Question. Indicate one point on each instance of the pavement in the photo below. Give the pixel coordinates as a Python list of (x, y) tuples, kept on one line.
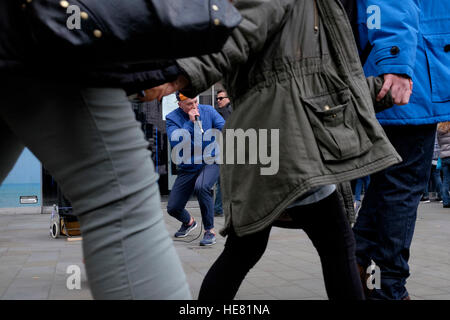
[(34, 266)]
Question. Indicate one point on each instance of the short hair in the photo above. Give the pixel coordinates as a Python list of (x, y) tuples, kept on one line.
[(219, 91)]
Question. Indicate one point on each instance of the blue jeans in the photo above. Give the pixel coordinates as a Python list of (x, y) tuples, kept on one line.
[(385, 225), (200, 183), (446, 182), (359, 186), (218, 201), (435, 183)]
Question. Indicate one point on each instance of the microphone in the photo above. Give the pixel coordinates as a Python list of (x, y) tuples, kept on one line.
[(199, 124)]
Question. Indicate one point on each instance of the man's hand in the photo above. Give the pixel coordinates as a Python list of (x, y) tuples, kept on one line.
[(192, 113), (401, 88), (165, 89)]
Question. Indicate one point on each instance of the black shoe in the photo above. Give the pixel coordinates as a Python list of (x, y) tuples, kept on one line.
[(446, 205), (425, 200), (217, 214)]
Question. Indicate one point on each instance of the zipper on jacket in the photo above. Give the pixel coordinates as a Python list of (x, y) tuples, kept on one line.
[(316, 17)]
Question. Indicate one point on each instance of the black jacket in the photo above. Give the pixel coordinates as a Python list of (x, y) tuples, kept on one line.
[(225, 112), (12, 36), (16, 57)]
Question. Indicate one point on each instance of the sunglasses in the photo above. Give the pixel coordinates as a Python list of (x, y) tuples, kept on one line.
[(221, 98)]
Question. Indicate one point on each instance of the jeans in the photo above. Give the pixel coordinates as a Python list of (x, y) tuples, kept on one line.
[(90, 142), (446, 182), (199, 183), (385, 225), (359, 186), (435, 183), (218, 201), (324, 222)]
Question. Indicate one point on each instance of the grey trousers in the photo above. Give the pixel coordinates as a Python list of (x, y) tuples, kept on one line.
[(92, 145)]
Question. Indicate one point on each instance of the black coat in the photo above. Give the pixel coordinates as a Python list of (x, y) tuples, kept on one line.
[(225, 112), (16, 57), (12, 36)]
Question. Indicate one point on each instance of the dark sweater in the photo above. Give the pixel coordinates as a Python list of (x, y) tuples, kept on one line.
[(225, 112)]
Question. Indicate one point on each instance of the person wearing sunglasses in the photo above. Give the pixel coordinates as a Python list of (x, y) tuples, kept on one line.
[(224, 107)]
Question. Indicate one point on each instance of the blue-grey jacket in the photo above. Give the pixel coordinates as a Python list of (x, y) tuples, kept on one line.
[(210, 119), (410, 37)]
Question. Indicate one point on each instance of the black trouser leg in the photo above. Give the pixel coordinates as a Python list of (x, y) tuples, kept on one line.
[(326, 224), (226, 274)]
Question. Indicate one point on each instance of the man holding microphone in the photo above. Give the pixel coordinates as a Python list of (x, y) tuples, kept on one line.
[(195, 176)]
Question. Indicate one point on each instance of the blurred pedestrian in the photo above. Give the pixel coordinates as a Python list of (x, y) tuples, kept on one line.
[(408, 47), (291, 67), (444, 143), (75, 117), (435, 183), (361, 183), (224, 108)]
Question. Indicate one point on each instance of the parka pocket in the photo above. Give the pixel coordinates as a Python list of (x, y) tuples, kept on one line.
[(437, 48), (337, 129)]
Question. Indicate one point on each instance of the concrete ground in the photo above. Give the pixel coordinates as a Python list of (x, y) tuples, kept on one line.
[(33, 266)]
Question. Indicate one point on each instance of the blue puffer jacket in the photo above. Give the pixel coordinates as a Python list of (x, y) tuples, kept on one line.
[(413, 38), (210, 119)]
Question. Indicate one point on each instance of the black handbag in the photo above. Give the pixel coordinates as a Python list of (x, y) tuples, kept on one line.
[(127, 31)]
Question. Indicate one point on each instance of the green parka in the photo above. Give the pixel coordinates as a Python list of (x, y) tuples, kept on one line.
[(293, 65)]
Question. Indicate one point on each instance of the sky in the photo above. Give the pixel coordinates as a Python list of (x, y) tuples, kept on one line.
[(26, 170)]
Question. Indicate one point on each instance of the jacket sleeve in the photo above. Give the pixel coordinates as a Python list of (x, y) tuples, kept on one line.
[(395, 39), (344, 192), (261, 19), (375, 84), (218, 121)]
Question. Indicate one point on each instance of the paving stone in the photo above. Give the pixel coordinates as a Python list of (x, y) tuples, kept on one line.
[(59, 291), (248, 289), (26, 293), (6, 280), (315, 285), (15, 252), (293, 275), (439, 297), (40, 264), (289, 292), (45, 273), (43, 256), (3, 290), (13, 260), (289, 269), (255, 297), (267, 282)]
